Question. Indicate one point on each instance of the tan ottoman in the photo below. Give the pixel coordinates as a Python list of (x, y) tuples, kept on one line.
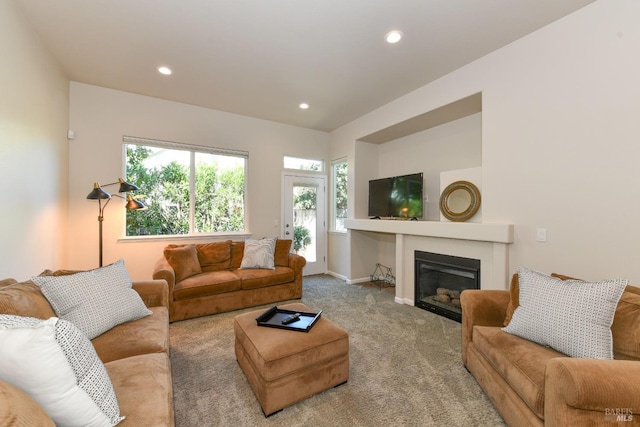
[(285, 367)]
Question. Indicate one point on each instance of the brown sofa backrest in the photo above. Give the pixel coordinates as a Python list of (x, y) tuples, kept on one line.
[(7, 282), (237, 249), (188, 260), (24, 299), (214, 256), (626, 326)]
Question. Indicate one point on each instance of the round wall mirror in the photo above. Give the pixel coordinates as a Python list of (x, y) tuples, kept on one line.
[(460, 201)]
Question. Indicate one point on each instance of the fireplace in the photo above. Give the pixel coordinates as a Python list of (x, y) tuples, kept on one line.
[(439, 280)]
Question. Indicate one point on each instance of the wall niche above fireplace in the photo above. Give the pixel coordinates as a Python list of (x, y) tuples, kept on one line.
[(439, 280)]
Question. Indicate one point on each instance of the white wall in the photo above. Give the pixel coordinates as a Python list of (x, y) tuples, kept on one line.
[(451, 146), (100, 117), (34, 108), (560, 135)]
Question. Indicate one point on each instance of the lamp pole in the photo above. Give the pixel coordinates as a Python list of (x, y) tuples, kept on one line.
[(99, 194), (100, 220)]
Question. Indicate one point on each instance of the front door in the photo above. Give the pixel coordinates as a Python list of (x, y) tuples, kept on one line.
[(304, 219)]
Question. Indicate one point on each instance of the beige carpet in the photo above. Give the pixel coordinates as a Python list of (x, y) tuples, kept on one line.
[(405, 368)]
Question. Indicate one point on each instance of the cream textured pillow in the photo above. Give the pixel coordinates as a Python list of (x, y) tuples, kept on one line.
[(53, 362), (570, 316), (259, 253), (96, 300)]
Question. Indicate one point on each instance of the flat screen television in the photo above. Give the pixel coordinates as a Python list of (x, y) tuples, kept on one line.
[(397, 196)]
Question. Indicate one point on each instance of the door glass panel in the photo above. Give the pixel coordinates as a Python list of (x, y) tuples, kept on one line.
[(305, 221)]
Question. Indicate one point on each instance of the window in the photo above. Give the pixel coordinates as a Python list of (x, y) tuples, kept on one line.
[(303, 164), (339, 174), (188, 189)]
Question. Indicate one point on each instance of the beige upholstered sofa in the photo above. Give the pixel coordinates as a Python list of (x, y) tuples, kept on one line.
[(208, 278), (534, 385), (135, 354)]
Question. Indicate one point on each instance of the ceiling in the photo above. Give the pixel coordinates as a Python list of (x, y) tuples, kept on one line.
[(262, 58)]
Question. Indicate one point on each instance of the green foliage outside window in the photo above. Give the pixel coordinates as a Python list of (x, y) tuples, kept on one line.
[(301, 238), (219, 193), (340, 195)]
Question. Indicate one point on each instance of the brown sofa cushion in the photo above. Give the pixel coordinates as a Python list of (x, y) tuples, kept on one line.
[(237, 250), (514, 298), (184, 260), (626, 326), (281, 256), (143, 387), (260, 278), (520, 362), (147, 335), (25, 299), (211, 283), (214, 256), (17, 408)]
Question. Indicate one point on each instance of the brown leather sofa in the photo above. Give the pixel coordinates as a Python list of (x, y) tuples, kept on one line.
[(135, 354), (206, 278), (533, 385)]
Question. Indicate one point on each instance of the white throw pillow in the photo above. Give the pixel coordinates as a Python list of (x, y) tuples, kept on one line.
[(96, 300), (571, 316), (56, 364), (259, 253)]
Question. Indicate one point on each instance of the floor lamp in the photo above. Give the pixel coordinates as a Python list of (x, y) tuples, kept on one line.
[(99, 194)]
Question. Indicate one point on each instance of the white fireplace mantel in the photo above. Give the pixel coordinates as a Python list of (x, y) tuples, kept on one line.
[(483, 241), (498, 233)]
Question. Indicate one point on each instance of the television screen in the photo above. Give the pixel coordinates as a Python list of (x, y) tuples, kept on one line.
[(379, 197), (399, 196)]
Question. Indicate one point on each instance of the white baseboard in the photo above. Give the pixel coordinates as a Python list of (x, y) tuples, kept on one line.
[(360, 280), (336, 275), (405, 301)]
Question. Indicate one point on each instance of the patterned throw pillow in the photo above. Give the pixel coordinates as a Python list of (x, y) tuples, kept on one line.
[(96, 300), (53, 362), (259, 253), (570, 316)]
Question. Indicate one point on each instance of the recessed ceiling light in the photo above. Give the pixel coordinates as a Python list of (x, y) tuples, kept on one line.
[(304, 105), (164, 70), (393, 36)]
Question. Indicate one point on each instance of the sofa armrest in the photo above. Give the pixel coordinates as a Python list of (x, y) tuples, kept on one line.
[(591, 391), (163, 270), (296, 262), (483, 308), (154, 293)]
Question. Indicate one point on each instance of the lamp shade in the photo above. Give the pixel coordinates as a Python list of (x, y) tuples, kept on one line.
[(134, 204), (126, 187), (98, 193)]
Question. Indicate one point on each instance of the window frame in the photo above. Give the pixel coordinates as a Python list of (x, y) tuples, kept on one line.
[(334, 192), (320, 162), (192, 149)]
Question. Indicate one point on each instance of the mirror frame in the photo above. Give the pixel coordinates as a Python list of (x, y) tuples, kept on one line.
[(471, 210)]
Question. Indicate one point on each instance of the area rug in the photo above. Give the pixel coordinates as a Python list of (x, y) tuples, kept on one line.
[(405, 368)]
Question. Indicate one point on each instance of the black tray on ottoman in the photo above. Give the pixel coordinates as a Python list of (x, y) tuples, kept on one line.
[(273, 318)]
